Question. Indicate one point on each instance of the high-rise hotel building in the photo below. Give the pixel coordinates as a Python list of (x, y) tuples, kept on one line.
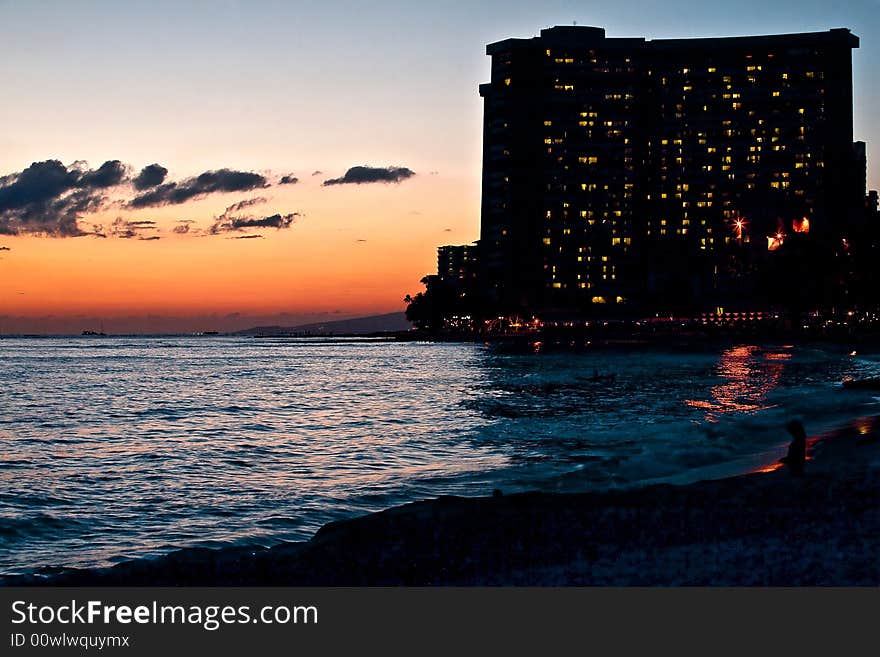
[(622, 170)]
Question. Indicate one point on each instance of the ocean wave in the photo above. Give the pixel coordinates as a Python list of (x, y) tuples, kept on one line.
[(36, 525)]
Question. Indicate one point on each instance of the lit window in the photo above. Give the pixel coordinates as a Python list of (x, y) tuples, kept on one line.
[(801, 225)]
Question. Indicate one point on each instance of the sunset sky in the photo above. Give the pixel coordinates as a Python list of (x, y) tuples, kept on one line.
[(229, 98)]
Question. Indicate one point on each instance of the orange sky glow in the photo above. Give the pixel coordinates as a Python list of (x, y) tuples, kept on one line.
[(355, 250)]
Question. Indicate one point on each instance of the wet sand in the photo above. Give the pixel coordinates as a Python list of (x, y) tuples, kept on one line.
[(764, 528)]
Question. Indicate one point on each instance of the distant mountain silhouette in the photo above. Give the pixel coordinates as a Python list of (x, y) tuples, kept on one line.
[(356, 326)]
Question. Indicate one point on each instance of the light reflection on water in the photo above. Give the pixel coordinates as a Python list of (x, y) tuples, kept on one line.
[(748, 374), (121, 447)]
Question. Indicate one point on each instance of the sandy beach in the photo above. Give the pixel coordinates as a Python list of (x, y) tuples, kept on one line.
[(764, 528)]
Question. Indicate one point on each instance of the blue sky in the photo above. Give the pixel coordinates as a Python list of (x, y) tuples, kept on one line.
[(322, 81)]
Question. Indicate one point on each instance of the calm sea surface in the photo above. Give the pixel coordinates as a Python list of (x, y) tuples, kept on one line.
[(115, 448)]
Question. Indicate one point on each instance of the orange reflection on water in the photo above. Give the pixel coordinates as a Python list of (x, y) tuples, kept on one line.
[(865, 425), (748, 374), (773, 467), (778, 465)]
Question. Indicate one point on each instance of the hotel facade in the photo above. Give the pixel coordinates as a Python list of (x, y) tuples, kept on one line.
[(626, 173)]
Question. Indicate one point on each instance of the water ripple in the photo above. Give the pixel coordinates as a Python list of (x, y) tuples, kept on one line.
[(116, 448)]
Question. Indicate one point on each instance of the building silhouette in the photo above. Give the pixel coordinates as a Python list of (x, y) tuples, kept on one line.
[(625, 174), (458, 264)]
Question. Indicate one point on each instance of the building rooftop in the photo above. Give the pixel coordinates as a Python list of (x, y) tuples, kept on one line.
[(580, 36)]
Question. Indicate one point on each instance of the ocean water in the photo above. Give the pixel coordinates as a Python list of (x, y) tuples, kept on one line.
[(118, 448)]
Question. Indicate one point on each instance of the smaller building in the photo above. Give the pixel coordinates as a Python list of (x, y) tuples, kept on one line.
[(457, 264)]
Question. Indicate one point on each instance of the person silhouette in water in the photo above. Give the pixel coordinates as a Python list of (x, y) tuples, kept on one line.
[(797, 450)]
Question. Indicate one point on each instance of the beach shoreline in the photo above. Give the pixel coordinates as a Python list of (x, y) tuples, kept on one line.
[(764, 528)]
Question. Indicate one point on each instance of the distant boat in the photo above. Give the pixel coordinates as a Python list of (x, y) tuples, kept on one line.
[(101, 332), (862, 384)]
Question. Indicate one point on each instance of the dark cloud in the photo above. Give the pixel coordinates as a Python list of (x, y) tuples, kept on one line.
[(289, 179), (360, 240), (210, 182), (362, 175), (150, 176), (150, 238), (247, 237), (247, 203), (40, 183), (50, 198), (5, 248), (275, 221), (317, 172), (230, 222), (183, 226), (125, 229), (109, 174), (47, 198), (447, 230)]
